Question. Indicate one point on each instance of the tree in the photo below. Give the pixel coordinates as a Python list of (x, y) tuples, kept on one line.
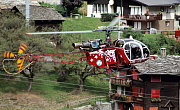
[(12, 31), (70, 5)]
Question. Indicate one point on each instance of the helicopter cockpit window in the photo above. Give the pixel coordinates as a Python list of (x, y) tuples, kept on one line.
[(127, 50), (135, 51), (119, 43), (146, 52)]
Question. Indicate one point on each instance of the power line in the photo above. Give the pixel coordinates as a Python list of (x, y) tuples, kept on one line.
[(54, 81), (95, 90), (84, 86), (57, 85)]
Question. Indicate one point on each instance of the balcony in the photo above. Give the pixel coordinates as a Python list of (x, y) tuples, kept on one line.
[(155, 100), (121, 82), (122, 98), (143, 17)]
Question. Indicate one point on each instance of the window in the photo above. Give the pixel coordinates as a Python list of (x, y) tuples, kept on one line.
[(119, 10), (99, 8), (167, 23), (135, 51), (135, 90), (137, 25), (138, 108), (102, 8), (135, 10), (168, 10), (161, 9), (95, 8), (155, 78), (105, 8), (153, 108), (127, 50), (122, 73), (149, 25), (155, 93), (121, 90), (140, 92)]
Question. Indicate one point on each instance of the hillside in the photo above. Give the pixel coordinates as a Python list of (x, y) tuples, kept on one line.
[(47, 93)]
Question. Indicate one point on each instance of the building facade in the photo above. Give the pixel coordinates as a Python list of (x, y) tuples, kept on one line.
[(97, 7), (140, 14), (156, 87)]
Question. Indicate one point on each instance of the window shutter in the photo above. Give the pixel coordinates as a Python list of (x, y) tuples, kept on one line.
[(138, 108), (142, 92), (155, 93), (122, 73), (155, 78), (135, 90), (153, 108)]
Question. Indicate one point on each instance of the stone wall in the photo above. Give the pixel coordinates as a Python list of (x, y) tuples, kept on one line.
[(98, 106), (161, 24)]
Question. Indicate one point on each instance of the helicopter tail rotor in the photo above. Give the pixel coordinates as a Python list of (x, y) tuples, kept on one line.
[(19, 58), (22, 48), (8, 54)]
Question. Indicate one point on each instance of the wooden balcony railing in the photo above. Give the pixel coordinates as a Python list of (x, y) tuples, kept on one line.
[(122, 98), (121, 82), (143, 17)]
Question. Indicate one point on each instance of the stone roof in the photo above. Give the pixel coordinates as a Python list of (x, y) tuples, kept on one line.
[(161, 65), (158, 2), (40, 12), (9, 4)]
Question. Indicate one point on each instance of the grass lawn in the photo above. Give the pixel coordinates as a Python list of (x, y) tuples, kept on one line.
[(87, 24)]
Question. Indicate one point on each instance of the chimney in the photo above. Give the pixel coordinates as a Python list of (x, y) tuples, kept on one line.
[(163, 52)]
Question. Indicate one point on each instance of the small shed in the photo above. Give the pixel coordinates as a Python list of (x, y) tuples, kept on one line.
[(42, 16)]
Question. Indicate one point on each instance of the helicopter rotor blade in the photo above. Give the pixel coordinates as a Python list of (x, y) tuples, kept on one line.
[(22, 48), (63, 32), (114, 21)]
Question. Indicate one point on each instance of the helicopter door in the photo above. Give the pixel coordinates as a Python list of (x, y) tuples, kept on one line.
[(127, 50), (133, 50), (136, 51)]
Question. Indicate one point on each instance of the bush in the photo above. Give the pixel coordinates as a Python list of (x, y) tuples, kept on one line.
[(107, 17), (61, 9), (155, 41), (135, 34)]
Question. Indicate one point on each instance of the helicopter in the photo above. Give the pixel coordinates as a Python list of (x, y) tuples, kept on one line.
[(101, 54)]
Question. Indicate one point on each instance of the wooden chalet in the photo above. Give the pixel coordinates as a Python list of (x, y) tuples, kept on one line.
[(42, 16), (156, 87)]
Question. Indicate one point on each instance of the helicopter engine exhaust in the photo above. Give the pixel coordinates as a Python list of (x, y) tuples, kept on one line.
[(94, 44), (83, 45)]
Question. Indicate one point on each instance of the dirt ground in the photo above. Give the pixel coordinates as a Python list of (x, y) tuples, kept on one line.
[(27, 101)]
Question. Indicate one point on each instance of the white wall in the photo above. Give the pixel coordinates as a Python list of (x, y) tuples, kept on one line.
[(177, 7), (169, 15), (176, 25), (97, 14), (168, 12), (89, 10)]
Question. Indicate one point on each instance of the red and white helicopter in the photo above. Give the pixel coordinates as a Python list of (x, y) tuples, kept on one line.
[(108, 55)]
